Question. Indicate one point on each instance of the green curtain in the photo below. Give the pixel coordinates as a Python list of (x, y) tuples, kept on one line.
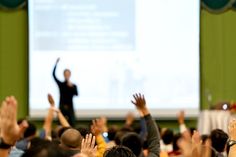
[(234, 6), (12, 4), (218, 6)]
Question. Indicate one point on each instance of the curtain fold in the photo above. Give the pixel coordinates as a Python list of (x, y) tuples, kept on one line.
[(12, 4), (218, 6)]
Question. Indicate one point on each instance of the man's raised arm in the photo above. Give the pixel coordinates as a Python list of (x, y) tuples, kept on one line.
[(153, 137), (54, 72)]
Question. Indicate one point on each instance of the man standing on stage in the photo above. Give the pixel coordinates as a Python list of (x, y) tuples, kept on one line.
[(67, 91)]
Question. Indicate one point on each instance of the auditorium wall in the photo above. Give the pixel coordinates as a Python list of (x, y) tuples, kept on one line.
[(218, 56)]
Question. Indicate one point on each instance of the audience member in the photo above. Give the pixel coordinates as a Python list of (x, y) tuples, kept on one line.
[(20, 139)]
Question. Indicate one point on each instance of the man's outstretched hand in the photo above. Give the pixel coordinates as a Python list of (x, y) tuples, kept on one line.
[(181, 117), (140, 103), (51, 100), (58, 59), (10, 130)]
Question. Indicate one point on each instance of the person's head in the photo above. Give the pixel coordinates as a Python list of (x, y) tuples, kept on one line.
[(120, 134), (67, 74), (112, 132), (43, 148), (119, 151), (29, 134), (191, 130), (133, 142), (176, 138), (168, 136), (204, 139), (62, 130), (83, 130), (71, 139), (219, 139), (31, 130)]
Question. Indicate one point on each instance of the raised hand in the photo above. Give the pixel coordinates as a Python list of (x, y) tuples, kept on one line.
[(196, 138), (181, 117), (232, 129), (10, 130), (69, 83), (51, 100), (97, 127), (58, 59), (232, 135), (129, 119), (185, 147), (140, 103), (88, 147)]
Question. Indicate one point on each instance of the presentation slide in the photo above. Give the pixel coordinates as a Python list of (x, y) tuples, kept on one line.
[(115, 48)]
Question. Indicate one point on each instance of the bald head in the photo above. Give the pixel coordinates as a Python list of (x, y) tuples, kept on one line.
[(71, 139)]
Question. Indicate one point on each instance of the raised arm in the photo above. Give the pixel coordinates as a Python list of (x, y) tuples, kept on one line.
[(153, 135), (182, 127), (88, 148), (96, 129), (10, 130), (232, 135), (47, 126), (54, 72), (60, 116)]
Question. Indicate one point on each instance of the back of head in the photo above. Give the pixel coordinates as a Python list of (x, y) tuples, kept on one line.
[(133, 142), (83, 130), (62, 130), (29, 134), (118, 137), (218, 139), (30, 131), (43, 149), (71, 139), (119, 151), (112, 132), (204, 138), (175, 141), (168, 136), (120, 134)]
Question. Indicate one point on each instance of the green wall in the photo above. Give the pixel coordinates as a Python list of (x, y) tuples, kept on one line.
[(13, 57), (218, 56), (218, 68)]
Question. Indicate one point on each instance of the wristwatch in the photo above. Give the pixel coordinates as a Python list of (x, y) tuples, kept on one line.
[(231, 143), (3, 145)]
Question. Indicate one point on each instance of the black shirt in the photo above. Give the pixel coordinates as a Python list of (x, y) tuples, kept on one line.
[(66, 92)]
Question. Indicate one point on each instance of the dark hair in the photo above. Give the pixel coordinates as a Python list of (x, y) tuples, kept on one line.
[(204, 138), (30, 131), (218, 139), (119, 151), (112, 132), (175, 141), (118, 137), (43, 148), (133, 142), (83, 130), (168, 136), (191, 130), (62, 130), (66, 71), (120, 134)]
